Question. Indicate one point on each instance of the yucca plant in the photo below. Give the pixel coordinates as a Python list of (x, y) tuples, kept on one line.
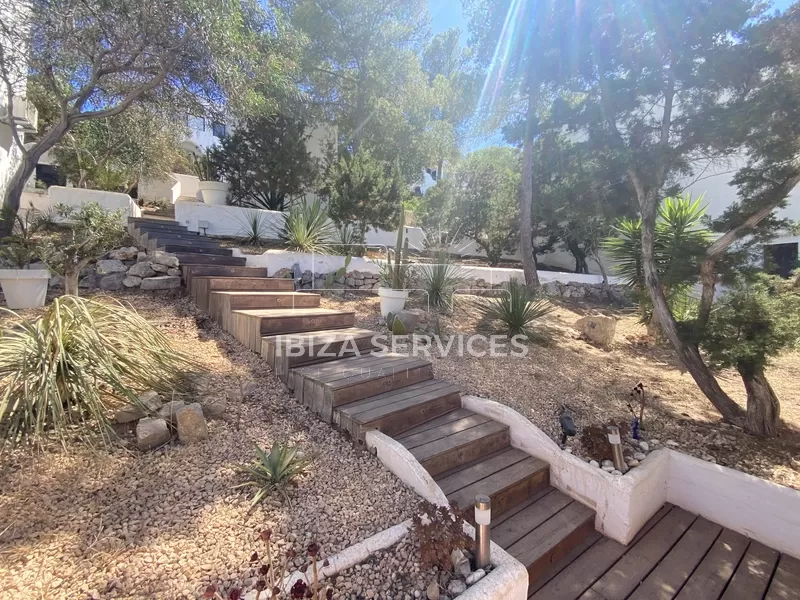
[(307, 228), (441, 279), (347, 241), (274, 471), (516, 310), (253, 227), (62, 372)]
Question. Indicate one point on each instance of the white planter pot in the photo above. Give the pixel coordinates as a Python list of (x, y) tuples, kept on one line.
[(213, 192), (392, 301), (24, 288)]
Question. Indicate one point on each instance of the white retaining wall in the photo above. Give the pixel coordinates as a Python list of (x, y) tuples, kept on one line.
[(763, 511), (168, 188), (189, 185), (110, 201), (228, 221)]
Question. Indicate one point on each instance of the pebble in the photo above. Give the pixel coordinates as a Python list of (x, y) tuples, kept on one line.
[(594, 463), (709, 458), (672, 443), (644, 446), (433, 590), (456, 587), (654, 442), (607, 463), (795, 462), (607, 468), (615, 472), (568, 450), (475, 577), (639, 456), (633, 463)]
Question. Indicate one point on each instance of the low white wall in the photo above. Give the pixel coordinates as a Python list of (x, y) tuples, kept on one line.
[(168, 188), (228, 221), (189, 185), (759, 509), (110, 201)]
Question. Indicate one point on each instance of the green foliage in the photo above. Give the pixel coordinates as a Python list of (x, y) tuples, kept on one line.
[(347, 241), (307, 228), (208, 165), (22, 247), (266, 162), (753, 322), (62, 372), (516, 310), (679, 244), (364, 190), (254, 227), (116, 153), (332, 277), (396, 272), (274, 471), (441, 279)]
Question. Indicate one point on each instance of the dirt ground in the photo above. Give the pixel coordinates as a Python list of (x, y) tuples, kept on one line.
[(594, 385)]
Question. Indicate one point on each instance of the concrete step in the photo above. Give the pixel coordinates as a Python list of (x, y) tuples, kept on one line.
[(287, 352), (250, 326), (187, 258), (327, 386), (509, 477), (222, 303), (398, 410), (250, 279), (455, 439), (187, 248)]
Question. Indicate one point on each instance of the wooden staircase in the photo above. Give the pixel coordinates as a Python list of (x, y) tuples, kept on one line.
[(331, 367), (190, 248)]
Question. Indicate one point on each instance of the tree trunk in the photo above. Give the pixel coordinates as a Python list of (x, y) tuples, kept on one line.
[(688, 354), (763, 406), (71, 277), (526, 198)]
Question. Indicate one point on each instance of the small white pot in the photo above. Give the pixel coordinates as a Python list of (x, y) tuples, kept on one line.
[(213, 192), (24, 288), (392, 301)]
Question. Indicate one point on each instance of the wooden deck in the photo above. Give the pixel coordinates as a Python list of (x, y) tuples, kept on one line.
[(675, 555)]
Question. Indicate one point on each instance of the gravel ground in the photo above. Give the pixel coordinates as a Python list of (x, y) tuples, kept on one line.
[(595, 385), (163, 525)]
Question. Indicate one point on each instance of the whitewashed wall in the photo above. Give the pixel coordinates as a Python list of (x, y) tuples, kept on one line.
[(168, 188), (189, 185), (76, 197), (225, 220)]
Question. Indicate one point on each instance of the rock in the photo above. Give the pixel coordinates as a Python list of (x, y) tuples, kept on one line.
[(433, 590), (607, 463), (113, 282), (607, 469), (141, 257), (151, 433), (132, 281), (170, 410), (174, 272), (654, 442), (141, 269), (164, 282), (89, 282), (709, 458), (615, 472), (633, 463), (594, 463), (283, 273), (214, 406), (56, 281), (460, 563), (129, 253), (456, 587), (475, 577), (639, 456), (191, 424), (672, 443), (149, 402), (598, 328), (159, 268), (164, 258), (106, 267), (568, 450), (644, 446)]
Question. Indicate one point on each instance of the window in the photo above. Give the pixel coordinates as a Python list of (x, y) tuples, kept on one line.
[(218, 130)]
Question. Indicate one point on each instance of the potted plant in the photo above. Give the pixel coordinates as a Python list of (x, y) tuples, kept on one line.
[(212, 190), (22, 286), (395, 275)]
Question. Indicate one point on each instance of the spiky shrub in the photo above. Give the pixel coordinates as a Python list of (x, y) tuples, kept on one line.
[(307, 228), (274, 471), (441, 279), (347, 241), (254, 226), (515, 310), (438, 531), (62, 372)]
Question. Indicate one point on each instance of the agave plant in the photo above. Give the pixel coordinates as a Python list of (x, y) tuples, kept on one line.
[(516, 310), (274, 471), (347, 240), (441, 279), (63, 371), (307, 228), (254, 227)]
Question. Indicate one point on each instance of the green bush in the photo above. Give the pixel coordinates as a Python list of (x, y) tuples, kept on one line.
[(307, 228), (274, 471), (441, 280), (62, 372), (515, 310)]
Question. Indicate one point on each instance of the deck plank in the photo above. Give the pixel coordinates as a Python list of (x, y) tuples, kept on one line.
[(432, 435), (525, 521), (453, 439), (753, 574), (469, 475), (432, 424), (667, 579), (713, 573), (786, 581)]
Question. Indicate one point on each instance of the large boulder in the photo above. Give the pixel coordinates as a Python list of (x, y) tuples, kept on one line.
[(191, 424), (159, 268), (598, 328), (129, 253), (132, 281), (406, 321), (149, 402), (151, 433), (174, 272), (106, 267), (165, 282), (89, 282), (112, 282), (164, 258), (141, 269)]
